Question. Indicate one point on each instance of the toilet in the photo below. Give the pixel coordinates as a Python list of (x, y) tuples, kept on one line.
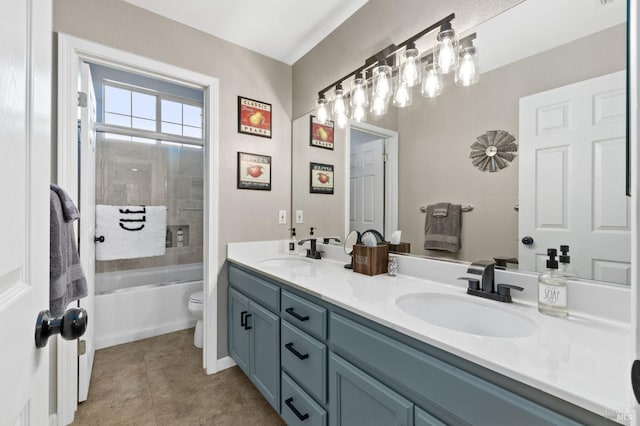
[(195, 306)]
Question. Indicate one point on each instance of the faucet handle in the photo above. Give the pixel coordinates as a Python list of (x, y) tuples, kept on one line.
[(504, 290), (474, 283)]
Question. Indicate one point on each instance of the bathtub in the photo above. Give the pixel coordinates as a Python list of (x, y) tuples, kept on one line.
[(141, 303)]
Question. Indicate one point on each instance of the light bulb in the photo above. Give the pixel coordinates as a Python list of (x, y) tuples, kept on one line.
[(382, 86), (446, 56), (468, 70), (359, 96), (358, 113), (322, 114), (410, 72), (410, 66), (446, 48), (402, 97), (359, 91), (378, 106), (432, 83), (341, 120), (339, 105), (381, 83)]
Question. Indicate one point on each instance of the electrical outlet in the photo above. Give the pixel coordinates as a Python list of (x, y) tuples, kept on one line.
[(282, 217), (299, 216)]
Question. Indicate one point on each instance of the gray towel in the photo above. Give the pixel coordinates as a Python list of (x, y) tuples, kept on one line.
[(443, 233), (66, 279), (441, 209)]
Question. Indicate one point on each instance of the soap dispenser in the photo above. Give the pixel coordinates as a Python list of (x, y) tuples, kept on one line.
[(552, 289), (565, 264), (293, 242)]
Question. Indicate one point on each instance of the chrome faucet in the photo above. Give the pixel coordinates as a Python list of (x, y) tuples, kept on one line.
[(484, 285)]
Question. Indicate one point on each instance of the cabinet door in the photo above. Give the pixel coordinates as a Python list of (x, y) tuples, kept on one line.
[(265, 353), (425, 419), (238, 332), (355, 398)]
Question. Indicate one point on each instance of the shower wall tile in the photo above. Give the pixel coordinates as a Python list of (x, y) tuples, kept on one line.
[(134, 173), (197, 188)]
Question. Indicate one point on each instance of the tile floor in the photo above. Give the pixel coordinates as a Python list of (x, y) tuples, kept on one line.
[(160, 381)]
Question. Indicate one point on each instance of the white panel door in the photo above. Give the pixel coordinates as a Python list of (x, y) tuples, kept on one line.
[(572, 178), (86, 244), (25, 126), (366, 205)]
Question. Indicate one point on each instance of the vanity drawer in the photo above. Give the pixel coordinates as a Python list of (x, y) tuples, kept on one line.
[(298, 408), (261, 291), (304, 359), (436, 382), (304, 314)]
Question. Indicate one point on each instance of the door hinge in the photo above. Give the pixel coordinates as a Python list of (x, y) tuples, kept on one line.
[(82, 99), (82, 347), (385, 157)]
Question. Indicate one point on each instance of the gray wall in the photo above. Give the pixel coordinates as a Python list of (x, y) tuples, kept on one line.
[(435, 136), (244, 215)]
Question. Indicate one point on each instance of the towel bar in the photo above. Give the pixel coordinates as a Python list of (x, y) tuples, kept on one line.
[(467, 208)]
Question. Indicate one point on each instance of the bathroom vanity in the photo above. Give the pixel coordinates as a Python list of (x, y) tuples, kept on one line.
[(325, 345)]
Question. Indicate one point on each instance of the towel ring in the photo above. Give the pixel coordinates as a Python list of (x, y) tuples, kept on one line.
[(466, 208)]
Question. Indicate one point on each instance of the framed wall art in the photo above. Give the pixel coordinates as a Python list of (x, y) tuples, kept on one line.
[(254, 117), (321, 178), (254, 171), (321, 134)]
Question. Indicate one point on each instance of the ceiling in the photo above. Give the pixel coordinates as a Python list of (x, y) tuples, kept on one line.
[(284, 29)]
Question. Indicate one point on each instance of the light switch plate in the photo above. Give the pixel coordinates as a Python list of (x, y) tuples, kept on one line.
[(299, 216), (282, 217)]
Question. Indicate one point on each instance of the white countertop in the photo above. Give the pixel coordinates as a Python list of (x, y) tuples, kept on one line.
[(582, 359)]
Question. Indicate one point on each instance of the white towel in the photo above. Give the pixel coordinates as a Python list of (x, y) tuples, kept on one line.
[(130, 231)]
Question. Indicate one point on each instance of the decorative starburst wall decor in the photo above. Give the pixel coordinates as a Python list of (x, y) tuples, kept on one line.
[(493, 150)]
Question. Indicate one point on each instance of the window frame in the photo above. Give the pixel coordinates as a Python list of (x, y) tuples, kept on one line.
[(157, 135)]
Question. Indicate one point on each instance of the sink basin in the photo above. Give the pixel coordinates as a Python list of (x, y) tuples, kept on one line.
[(464, 314), (286, 262)]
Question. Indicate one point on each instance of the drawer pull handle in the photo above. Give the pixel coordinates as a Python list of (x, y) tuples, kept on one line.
[(296, 315), (246, 322), (296, 353), (302, 417), (243, 320)]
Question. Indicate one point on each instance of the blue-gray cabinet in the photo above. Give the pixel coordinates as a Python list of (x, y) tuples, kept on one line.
[(265, 354), (254, 343), (298, 408), (336, 366), (355, 398), (239, 336)]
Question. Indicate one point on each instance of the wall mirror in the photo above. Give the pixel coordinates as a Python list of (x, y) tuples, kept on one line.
[(553, 76)]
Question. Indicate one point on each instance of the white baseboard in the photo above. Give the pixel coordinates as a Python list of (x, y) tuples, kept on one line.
[(224, 363), (143, 334)]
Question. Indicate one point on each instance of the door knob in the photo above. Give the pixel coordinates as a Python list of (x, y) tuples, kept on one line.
[(70, 326), (527, 241)]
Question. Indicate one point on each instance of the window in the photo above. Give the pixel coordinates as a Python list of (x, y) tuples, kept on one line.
[(139, 115)]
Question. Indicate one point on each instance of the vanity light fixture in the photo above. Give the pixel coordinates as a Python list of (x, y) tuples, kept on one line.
[(390, 82), (467, 71)]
